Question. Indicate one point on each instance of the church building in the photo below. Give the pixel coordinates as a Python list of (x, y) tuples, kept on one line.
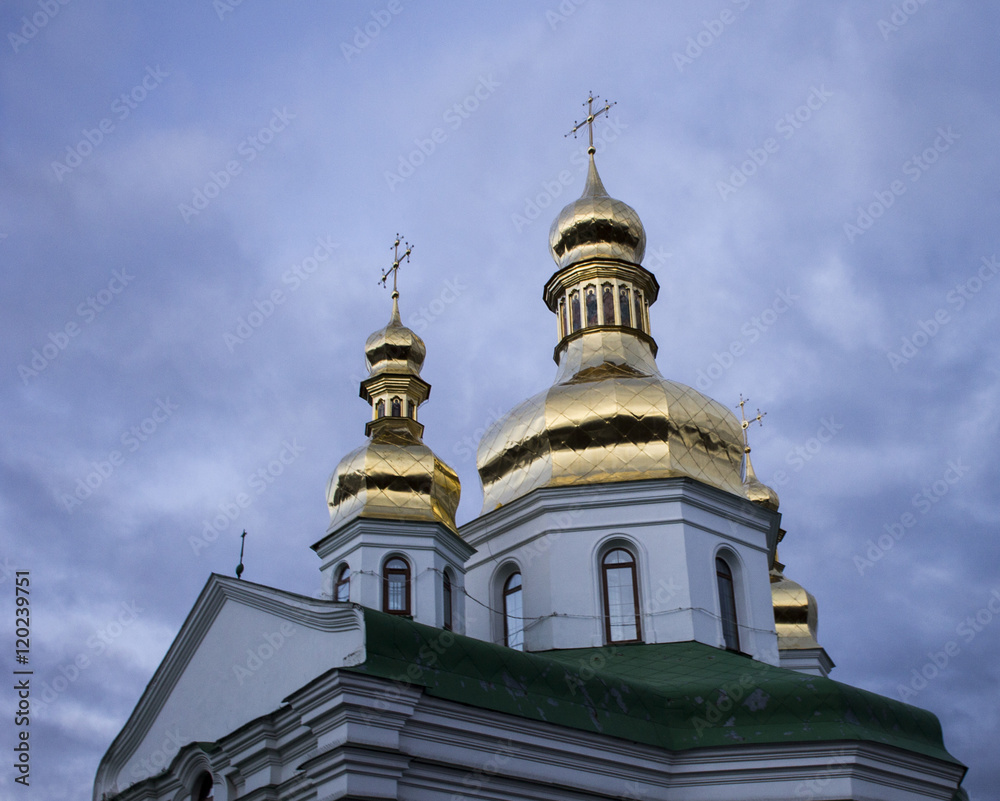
[(614, 624)]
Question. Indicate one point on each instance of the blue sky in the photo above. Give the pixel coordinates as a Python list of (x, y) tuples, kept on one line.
[(197, 202)]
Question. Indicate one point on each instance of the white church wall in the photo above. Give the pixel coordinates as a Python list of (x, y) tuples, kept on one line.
[(242, 650), (674, 528), (429, 549)]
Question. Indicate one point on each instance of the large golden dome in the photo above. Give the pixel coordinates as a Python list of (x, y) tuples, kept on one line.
[(609, 416), (610, 422)]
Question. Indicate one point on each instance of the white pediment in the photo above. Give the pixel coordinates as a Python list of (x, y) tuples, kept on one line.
[(242, 650)]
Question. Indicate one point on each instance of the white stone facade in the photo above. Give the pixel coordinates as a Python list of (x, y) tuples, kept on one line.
[(300, 728), (675, 527), (364, 545)]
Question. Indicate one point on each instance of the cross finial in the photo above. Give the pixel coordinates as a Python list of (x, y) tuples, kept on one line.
[(397, 257), (239, 567), (589, 121), (759, 418)]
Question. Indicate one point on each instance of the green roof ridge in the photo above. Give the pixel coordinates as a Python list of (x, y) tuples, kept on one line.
[(675, 696)]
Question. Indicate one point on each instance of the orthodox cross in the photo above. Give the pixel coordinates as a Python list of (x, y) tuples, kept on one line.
[(397, 257), (239, 567), (589, 122), (746, 423)]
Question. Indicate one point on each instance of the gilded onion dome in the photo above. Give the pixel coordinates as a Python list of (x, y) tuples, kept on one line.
[(609, 416), (394, 475), (796, 617), (756, 490), (395, 348), (597, 226)]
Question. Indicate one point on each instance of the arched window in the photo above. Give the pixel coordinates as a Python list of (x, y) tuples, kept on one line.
[(563, 330), (624, 306), (396, 587), (342, 585), (203, 788), (639, 322), (591, 295), (574, 301), (380, 409), (621, 597), (447, 600), (727, 604), (608, 303), (513, 613), (409, 409), (396, 407)]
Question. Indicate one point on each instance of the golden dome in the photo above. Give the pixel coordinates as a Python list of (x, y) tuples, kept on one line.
[(395, 348), (756, 490), (610, 415), (609, 418), (597, 226), (394, 476), (796, 617)]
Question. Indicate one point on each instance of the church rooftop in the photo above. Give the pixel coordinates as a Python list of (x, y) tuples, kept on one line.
[(675, 696)]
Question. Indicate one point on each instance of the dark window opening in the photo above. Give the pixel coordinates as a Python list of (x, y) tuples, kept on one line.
[(448, 608), (513, 613), (621, 597), (205, 786), (727, 605), (396, 587)]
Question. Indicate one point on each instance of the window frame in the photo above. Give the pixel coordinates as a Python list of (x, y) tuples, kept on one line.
[(394, 571), (730, 632), (342, 578), (633, 565), (505, 592), (447, 601)]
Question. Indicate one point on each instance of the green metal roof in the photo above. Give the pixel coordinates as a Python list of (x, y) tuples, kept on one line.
[(674, 696)]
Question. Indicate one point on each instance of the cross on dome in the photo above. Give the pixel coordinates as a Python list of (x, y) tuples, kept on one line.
[(396, 259), (589, 121), (746, 423)]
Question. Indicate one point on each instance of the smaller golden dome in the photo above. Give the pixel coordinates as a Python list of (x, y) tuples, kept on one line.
[(756, 490), (796, 617), (395, 348), (394, 476), (597, 226)]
